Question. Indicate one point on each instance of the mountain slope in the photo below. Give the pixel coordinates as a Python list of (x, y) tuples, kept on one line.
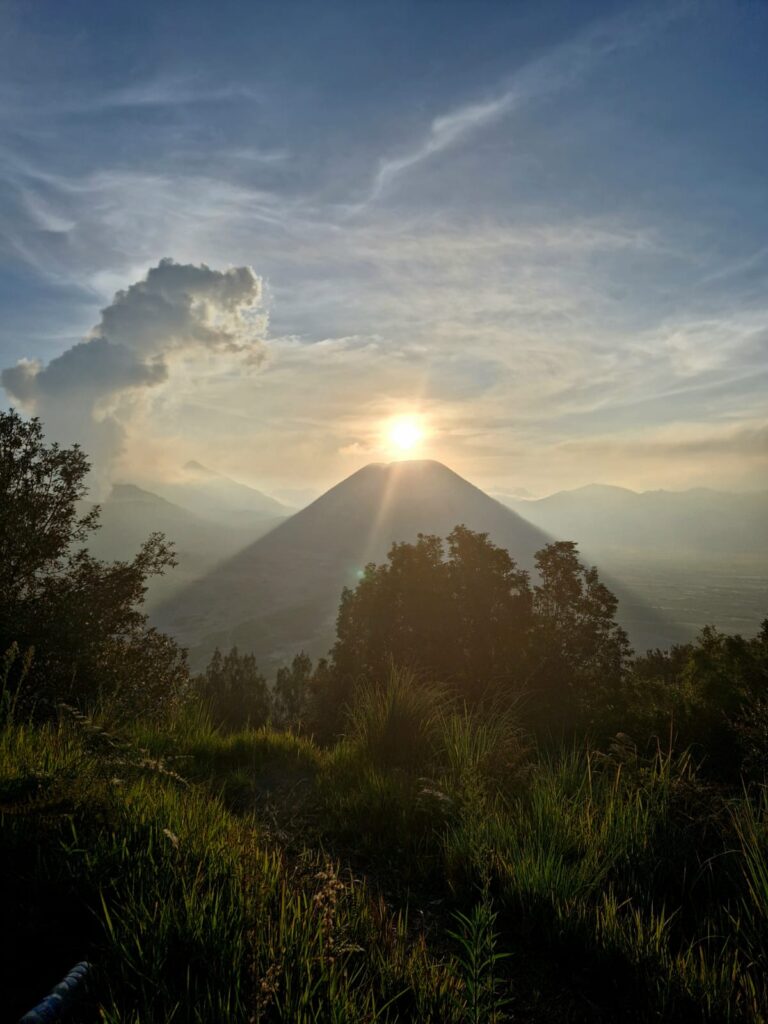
[(130, 514), (700, 556), (213, 496), (282, 593), (698, 522)]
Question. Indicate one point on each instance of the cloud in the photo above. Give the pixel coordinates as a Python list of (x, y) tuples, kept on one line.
[(561, 67), (444, 132), (355, 448), (93, 391), (518, 315), (176, 307), (182, 306), (165, 91), (97, 367), (744, 441), (160, 91)]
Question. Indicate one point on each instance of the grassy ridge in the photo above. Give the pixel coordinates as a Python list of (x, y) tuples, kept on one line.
[(430, 866)]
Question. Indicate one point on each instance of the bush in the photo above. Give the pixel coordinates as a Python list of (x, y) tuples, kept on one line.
[(395, 725)]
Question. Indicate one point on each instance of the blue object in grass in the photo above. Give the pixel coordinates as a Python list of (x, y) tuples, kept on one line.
[(60, 999)]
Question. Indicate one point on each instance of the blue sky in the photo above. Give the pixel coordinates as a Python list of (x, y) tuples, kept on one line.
[(541, 227)]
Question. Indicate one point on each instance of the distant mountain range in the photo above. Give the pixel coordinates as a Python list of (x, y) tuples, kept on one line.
[(213, 496), (282, 592), (695, 523), (129, 514)]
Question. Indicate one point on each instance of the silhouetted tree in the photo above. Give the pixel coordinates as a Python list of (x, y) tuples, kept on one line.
[(492, 612), (468, 616), (82, 616), (401, 609), (326, 700), (580, 652), (292, 691), (710, 695), (234, 690), (459, 616)]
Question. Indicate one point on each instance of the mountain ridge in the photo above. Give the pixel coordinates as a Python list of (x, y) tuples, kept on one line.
[(212, 495), (131, 513), (699, 521)]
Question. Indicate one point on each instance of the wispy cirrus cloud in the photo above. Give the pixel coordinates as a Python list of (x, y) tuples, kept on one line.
[(158, 91), (536, 80), (445, 131)]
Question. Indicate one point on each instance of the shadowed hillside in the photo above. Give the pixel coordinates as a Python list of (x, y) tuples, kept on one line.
[(700, 556), (694, 522), (282, 593), (213, 496), (130, 514)]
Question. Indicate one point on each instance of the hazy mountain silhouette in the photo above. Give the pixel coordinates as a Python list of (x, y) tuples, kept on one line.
[(701, 556), (282, 593), (130, 514), (213, 496), (697, 522)]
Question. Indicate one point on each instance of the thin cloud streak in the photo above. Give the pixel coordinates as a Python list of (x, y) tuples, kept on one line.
[(162, 91), (444, 132), (540, 78)]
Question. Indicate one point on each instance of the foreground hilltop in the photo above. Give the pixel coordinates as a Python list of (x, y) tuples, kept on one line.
[(282, 592)]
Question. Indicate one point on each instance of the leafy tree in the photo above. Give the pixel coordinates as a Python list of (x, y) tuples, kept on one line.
[(580, 652), (234, 690), (400, 609), (467, 615), (40, 487), (492, 613), (459, 616), (729, 671), (327, 695), (292, 691), (710, 695), (82, 616)]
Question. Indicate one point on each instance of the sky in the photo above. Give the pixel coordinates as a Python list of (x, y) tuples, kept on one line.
[(251, 234)]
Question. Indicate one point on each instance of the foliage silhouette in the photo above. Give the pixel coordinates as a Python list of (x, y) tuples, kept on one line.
[(234, 691), (469, 617), (82, 616), (292, 691)]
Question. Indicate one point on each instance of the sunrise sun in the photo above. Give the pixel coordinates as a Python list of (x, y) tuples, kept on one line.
[(404, 433)]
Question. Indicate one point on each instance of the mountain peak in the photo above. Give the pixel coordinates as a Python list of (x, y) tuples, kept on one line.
[(193, 466), (404, 464), (131, 492)]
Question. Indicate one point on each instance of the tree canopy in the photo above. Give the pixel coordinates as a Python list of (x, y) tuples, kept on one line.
[(234, 691), (82, 616), (463, 612)]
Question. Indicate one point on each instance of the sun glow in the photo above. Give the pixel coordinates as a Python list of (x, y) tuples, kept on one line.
[(404, 433)]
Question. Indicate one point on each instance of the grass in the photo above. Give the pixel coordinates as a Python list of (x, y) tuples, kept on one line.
[(458, 875), (188, 912)]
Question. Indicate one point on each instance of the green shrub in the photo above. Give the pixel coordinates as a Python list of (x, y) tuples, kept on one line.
[(394, 725)]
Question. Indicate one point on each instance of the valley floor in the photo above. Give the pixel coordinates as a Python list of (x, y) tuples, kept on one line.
[(691, 594)]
